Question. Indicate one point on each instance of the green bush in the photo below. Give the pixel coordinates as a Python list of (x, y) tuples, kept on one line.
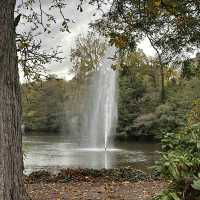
[(180, 163)]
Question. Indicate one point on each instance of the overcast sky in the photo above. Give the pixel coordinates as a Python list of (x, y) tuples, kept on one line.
[(66, 40)]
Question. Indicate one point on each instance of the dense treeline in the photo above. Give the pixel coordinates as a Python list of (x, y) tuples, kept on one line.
[(58, 105), (141, 112), (51, 105), (43, 104)]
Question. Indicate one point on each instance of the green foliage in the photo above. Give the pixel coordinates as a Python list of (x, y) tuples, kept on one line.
[(140, 111), (165, 22), (43, 104), (194, 115), (188, 70), (137, 79), (180, 161), (52, 105), (168, 195), (130, 92)]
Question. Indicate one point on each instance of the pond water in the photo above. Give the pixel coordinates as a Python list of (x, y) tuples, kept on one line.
[(53, 152)]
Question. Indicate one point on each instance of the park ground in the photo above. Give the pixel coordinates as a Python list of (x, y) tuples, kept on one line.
[(86, 186), (95, 191)]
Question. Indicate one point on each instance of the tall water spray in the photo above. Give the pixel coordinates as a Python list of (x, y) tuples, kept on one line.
[(101, 114)]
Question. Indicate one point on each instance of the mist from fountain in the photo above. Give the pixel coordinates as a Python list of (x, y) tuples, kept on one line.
[(100, 117)]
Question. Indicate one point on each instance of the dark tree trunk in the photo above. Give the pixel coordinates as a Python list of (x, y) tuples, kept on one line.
[(11, 158), (162, 74)]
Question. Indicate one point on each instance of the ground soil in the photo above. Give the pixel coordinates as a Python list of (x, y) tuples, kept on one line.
[(95, 190), (88, 184)]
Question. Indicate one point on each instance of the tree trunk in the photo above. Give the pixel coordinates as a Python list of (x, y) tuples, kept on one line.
[(11, 157), (162, 93), (162, 73)]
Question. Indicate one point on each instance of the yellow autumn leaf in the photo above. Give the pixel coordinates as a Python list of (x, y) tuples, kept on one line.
[(120, 41), (157, 3), (23, 45)]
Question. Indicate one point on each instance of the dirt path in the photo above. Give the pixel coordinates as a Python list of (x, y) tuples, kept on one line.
[(95, 190)]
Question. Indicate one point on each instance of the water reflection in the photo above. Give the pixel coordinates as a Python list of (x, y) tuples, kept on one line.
[(50, 151)]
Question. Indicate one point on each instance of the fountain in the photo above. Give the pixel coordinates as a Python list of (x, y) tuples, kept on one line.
[(100, 116), (89, 144)]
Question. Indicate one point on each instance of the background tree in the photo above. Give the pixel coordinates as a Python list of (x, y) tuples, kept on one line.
[(138, 18), (43, 104), (139, 85), (87, 54), (141, 113), (164, 23), (85, 58)]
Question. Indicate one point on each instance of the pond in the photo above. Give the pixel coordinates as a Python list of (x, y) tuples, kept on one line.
[(53, 151)]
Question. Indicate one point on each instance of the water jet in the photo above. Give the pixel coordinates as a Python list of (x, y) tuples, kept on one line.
[(100, 116)]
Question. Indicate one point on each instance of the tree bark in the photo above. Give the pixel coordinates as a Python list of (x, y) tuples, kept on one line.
[(11, 157), (162, 74)]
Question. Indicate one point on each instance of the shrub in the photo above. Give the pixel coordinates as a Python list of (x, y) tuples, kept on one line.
[(180, 160)]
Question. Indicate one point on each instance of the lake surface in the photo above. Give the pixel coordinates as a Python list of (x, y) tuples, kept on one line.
[(53, 152)]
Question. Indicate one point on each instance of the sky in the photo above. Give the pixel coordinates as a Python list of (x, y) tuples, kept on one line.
[(67, 40)]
